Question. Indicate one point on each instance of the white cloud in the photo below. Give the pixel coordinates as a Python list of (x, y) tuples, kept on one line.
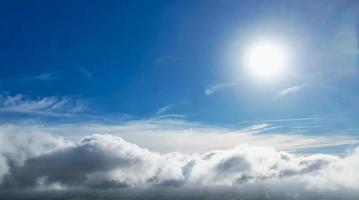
[(219, 86), (291, 90), (57, 106), (177, 135), (106, 161)]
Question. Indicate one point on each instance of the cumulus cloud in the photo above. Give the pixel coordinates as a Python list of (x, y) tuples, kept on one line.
[(105, 161)]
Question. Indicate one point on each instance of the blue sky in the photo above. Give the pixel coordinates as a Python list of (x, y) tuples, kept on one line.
[(115, 61)]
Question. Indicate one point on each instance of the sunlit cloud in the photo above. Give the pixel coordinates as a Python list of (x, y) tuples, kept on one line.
[(105, 161)]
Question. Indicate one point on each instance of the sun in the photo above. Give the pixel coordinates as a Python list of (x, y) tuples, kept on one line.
[(266, 60)]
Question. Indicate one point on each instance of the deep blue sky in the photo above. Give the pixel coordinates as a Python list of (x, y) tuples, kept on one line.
[(136, 57)]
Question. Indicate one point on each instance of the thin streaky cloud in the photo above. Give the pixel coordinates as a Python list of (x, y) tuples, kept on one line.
[(165, 59), (284, 120), (168, 107), (47, 106), (291, 90), (219, 86), (43, 77), (189, 137), (164, 109), (85, 72)]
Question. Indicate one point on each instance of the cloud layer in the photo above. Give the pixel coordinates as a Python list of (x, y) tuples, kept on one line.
[(166, 135), (45, 162)]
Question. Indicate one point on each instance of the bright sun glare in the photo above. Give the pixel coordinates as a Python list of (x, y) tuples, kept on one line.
[(266, 60)]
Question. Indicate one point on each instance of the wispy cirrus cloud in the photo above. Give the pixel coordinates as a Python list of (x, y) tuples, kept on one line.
[(164, 109), (219, 86), (43, 77), (284, 120), (161, 60), (85, 72), (291, 90), (173, 134), (54, 105)]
